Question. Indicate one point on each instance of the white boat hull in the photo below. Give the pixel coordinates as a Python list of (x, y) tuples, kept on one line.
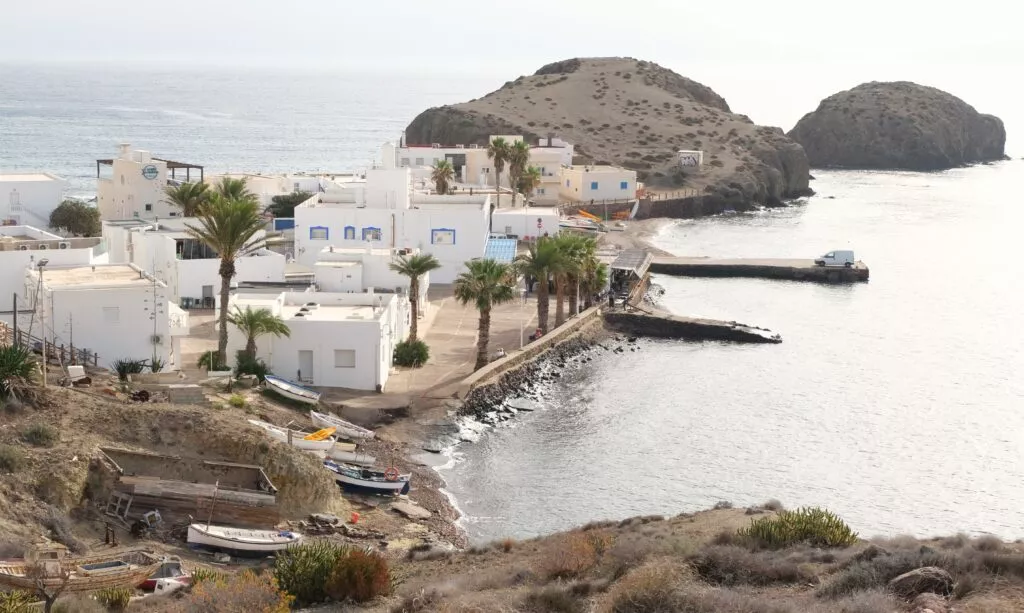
[(349, 482), (292, 391), (241, 541), (342, 427), (351, 457), (298, 438)]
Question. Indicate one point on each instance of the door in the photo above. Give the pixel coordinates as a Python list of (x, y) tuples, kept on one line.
[(306, 366), (208, 302)]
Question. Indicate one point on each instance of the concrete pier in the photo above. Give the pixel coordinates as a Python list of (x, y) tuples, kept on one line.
[(787, 269), (664, 325)]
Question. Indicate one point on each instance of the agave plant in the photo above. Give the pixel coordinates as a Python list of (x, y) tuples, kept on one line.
[(17, 368), (127, 366)]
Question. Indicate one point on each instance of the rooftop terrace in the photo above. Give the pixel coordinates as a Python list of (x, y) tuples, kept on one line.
[(105, 276)]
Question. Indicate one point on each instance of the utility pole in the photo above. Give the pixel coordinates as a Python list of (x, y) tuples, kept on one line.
[(42, 315), (14, 318)]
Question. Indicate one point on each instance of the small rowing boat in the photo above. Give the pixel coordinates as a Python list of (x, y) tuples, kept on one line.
[(321, 440), (293, 391), (344, 428), (170, 568), (359, 479), (351, 457), (241, 541)]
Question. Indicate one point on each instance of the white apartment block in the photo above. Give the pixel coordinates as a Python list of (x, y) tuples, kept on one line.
[(136, 187), (22, 247), (360, 269), (28, 199)]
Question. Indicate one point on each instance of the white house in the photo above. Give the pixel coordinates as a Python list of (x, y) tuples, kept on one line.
[(190, 269), (586, 183), (28, 199), (137, 184), (383, 212), (113, 310), (336, 340), (24, 246), (342, 270), (525, 223)]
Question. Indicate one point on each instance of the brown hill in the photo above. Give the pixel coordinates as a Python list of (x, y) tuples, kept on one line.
[(634, 114), (898, 125)]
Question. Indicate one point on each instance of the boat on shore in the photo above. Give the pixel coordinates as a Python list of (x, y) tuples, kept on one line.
[(351, 457), (344, 428), (170, 568), (322, 440), (293, 391), (51, 568), (241, 542), (360, 479)]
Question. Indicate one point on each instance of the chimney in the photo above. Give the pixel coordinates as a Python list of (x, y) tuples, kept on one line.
[(125, 151)]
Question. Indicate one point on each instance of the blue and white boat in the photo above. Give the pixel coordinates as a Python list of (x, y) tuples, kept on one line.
[(365, 480), (293, 391)]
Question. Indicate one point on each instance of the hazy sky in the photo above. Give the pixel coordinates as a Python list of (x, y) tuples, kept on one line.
[(771, 60)]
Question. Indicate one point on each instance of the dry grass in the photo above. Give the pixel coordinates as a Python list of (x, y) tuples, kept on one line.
[(575, 553), (728, 565)]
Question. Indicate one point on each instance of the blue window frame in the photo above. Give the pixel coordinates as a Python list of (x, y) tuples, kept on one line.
[(567, 183), (442, 236), (593, 185), (319, 233), (624, 185), (371, 234), (350, 233)]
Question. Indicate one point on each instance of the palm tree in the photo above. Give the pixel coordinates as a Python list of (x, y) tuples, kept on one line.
[(594, 280), (235, 189), (530, 181), (543, 259), (414, 267), (228, 227), (189, 197), (487, 283), (518, 159), (498, 150), (582, 251), (254, 324), (442, 176), (569, 248)]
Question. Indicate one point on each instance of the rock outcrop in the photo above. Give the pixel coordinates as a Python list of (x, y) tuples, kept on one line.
[(898, 125), (634, 114), (929, 579)]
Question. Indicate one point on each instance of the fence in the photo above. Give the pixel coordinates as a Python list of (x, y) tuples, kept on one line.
[(54, 352)]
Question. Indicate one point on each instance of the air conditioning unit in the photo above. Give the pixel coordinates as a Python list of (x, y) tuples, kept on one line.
[(400, 291), (42, 246), (64, 245), (156, 339), (22, 247)]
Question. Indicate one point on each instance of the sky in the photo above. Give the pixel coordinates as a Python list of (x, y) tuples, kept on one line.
[(771, 60)]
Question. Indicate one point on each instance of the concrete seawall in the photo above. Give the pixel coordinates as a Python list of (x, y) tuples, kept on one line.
[(664, 325), (786, 269)]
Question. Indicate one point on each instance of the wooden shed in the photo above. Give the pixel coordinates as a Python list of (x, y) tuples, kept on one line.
[(238, 494)]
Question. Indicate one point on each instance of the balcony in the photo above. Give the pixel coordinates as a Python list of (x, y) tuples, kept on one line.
[(178, 320)]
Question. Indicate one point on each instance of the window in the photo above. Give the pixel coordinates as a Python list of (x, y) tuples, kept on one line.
[(567, 183), (593, 185), (344, 358), (624, 185), (419, 161), (350, 233), (111, 315), (149, 207), (405, 163), (371, 234), (318, 233), (295, 187), (540, 191)]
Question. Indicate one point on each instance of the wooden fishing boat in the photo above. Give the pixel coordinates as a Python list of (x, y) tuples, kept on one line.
[(293, 391), (241, 541), (321, 440), (351, 457), (360, 479), (344, 428), (170, 568), (52, 568)]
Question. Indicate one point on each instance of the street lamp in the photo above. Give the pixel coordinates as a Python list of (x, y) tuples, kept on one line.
[(42, 315)]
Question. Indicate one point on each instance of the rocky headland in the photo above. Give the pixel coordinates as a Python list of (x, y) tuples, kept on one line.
[(898, 126), (638, 115)]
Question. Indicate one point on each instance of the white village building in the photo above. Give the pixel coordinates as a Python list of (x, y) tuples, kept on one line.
[(361, 269), (383, 211), (344, 340), (28, 199), (22, 247), (136, 185), (188, 266), (113, 310)]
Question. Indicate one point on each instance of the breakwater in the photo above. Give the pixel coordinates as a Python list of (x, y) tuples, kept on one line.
[(664, 325), (761, 268)]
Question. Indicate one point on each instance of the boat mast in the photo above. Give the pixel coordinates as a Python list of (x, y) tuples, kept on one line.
[(209, 518)]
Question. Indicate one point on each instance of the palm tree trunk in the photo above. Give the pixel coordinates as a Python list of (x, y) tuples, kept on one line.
[(227, 271), (497, 187), (250, 347), (414, 302), (542, 304), (483, 339), (574, 295), (559, 300)]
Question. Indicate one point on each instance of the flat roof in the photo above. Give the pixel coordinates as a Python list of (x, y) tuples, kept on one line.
[(527, 211), (30, 176), (602, 168), (356, 250), (332, 313), (636, 260), (337, 264), (109, 275)]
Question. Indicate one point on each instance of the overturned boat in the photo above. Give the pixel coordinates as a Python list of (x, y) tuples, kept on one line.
[(368, 481)]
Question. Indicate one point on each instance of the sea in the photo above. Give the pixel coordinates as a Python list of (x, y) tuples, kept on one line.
[(897, 403)]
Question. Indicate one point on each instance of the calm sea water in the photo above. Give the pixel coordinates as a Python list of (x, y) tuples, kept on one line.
[(898, 403), (61, 119)]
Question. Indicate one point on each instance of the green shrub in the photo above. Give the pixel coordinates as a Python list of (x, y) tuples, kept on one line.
[(201, 574), (17, 367), (359, 576), (156, 364), (245, 591), (236, 401), (115, 599), (209, 360), (40, 435), (411, 353), (127, 366), (248, 365), (16, 602), (10, 458), (303, 570), (811, 525)]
